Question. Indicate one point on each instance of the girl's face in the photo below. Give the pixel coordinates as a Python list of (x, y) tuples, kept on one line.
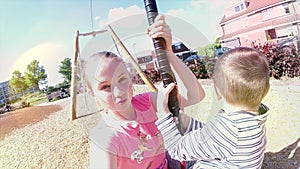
[(112, 85)]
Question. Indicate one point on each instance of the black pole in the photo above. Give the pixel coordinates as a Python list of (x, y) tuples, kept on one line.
[(163, 62)]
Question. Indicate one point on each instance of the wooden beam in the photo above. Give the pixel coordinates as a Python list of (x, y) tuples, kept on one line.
[(131, 59)]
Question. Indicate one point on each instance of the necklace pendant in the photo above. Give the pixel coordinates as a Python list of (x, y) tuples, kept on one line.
[(138, 155)]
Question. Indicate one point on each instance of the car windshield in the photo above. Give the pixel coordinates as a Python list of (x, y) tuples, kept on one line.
[(289, 40), (221, 51)]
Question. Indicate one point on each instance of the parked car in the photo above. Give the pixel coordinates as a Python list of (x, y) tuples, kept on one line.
[(178, 47), (58, 93), (182, 51), (220, 51), (6, 108), (290, 43), (18, 105), (193, 57)]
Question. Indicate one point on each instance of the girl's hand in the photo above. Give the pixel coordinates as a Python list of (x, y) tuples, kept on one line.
[(161, 29)]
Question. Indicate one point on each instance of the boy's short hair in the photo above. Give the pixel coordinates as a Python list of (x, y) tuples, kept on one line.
[(242, 76)]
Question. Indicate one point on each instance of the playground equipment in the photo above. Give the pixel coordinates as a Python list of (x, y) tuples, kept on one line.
[(159, 45)]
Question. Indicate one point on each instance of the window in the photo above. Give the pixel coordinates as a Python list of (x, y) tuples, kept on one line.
[(140, 60), (237, 8), (148, 58), (240, 7), (271, 34), (144, 59), (286, 8)]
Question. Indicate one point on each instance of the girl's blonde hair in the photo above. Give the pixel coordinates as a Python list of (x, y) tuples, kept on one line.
[(242, 76)]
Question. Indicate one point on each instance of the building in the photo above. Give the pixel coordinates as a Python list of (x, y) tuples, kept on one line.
[(259, 21), (6, 93), (147, 60)]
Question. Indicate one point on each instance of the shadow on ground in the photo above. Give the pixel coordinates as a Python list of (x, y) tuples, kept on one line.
[(287, 158)]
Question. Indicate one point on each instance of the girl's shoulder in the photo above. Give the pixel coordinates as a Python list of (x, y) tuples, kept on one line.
[(142, 103), (105, 136)]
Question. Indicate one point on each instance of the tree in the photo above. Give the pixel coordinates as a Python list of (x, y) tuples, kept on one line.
[(66, 70), (217, 43), (208, 50), (17, 82), (35, 74)]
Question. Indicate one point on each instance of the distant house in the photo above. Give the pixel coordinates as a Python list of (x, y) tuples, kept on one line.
[(148, 60), (7, 93), (259, 21)]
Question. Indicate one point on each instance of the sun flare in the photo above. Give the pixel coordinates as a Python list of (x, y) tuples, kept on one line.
[(49, 55)]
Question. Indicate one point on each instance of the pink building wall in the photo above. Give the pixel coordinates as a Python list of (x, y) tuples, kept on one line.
[(259, 21)]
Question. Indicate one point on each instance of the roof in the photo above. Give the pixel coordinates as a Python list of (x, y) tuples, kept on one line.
[(254, 5)]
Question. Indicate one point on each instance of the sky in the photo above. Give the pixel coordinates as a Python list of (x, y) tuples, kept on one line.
[(44, 30)]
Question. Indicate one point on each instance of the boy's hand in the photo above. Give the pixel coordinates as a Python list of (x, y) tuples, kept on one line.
[(162, 99), (176, 118), (162, 105)]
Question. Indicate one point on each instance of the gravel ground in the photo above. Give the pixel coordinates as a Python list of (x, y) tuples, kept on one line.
[(44, 137)]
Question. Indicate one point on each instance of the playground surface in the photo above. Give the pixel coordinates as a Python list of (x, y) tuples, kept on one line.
[(44, 137)]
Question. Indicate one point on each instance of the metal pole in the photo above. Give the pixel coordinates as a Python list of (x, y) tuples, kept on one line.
[(164, 64), (134, 44)]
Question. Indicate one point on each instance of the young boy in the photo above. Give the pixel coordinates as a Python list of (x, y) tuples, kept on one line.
[(236, 136)]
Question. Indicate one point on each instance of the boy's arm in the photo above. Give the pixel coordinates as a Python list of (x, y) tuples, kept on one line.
[(161, 98), (172, 136), (196, 144), (189, 146)]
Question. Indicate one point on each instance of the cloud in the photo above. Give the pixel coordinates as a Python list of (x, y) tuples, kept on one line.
[(197, 3), (175, 12), (205, 15), (102, 23), (124, 17), (97, 18), (49, 55), (214, 4), (119, 13)]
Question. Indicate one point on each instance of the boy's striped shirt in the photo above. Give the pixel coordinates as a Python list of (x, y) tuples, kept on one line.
[(230, 140)]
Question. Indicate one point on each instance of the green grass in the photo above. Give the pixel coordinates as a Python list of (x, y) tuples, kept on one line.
[(35, 98)]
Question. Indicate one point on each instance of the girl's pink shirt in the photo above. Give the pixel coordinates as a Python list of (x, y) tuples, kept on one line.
[(121, 138)]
